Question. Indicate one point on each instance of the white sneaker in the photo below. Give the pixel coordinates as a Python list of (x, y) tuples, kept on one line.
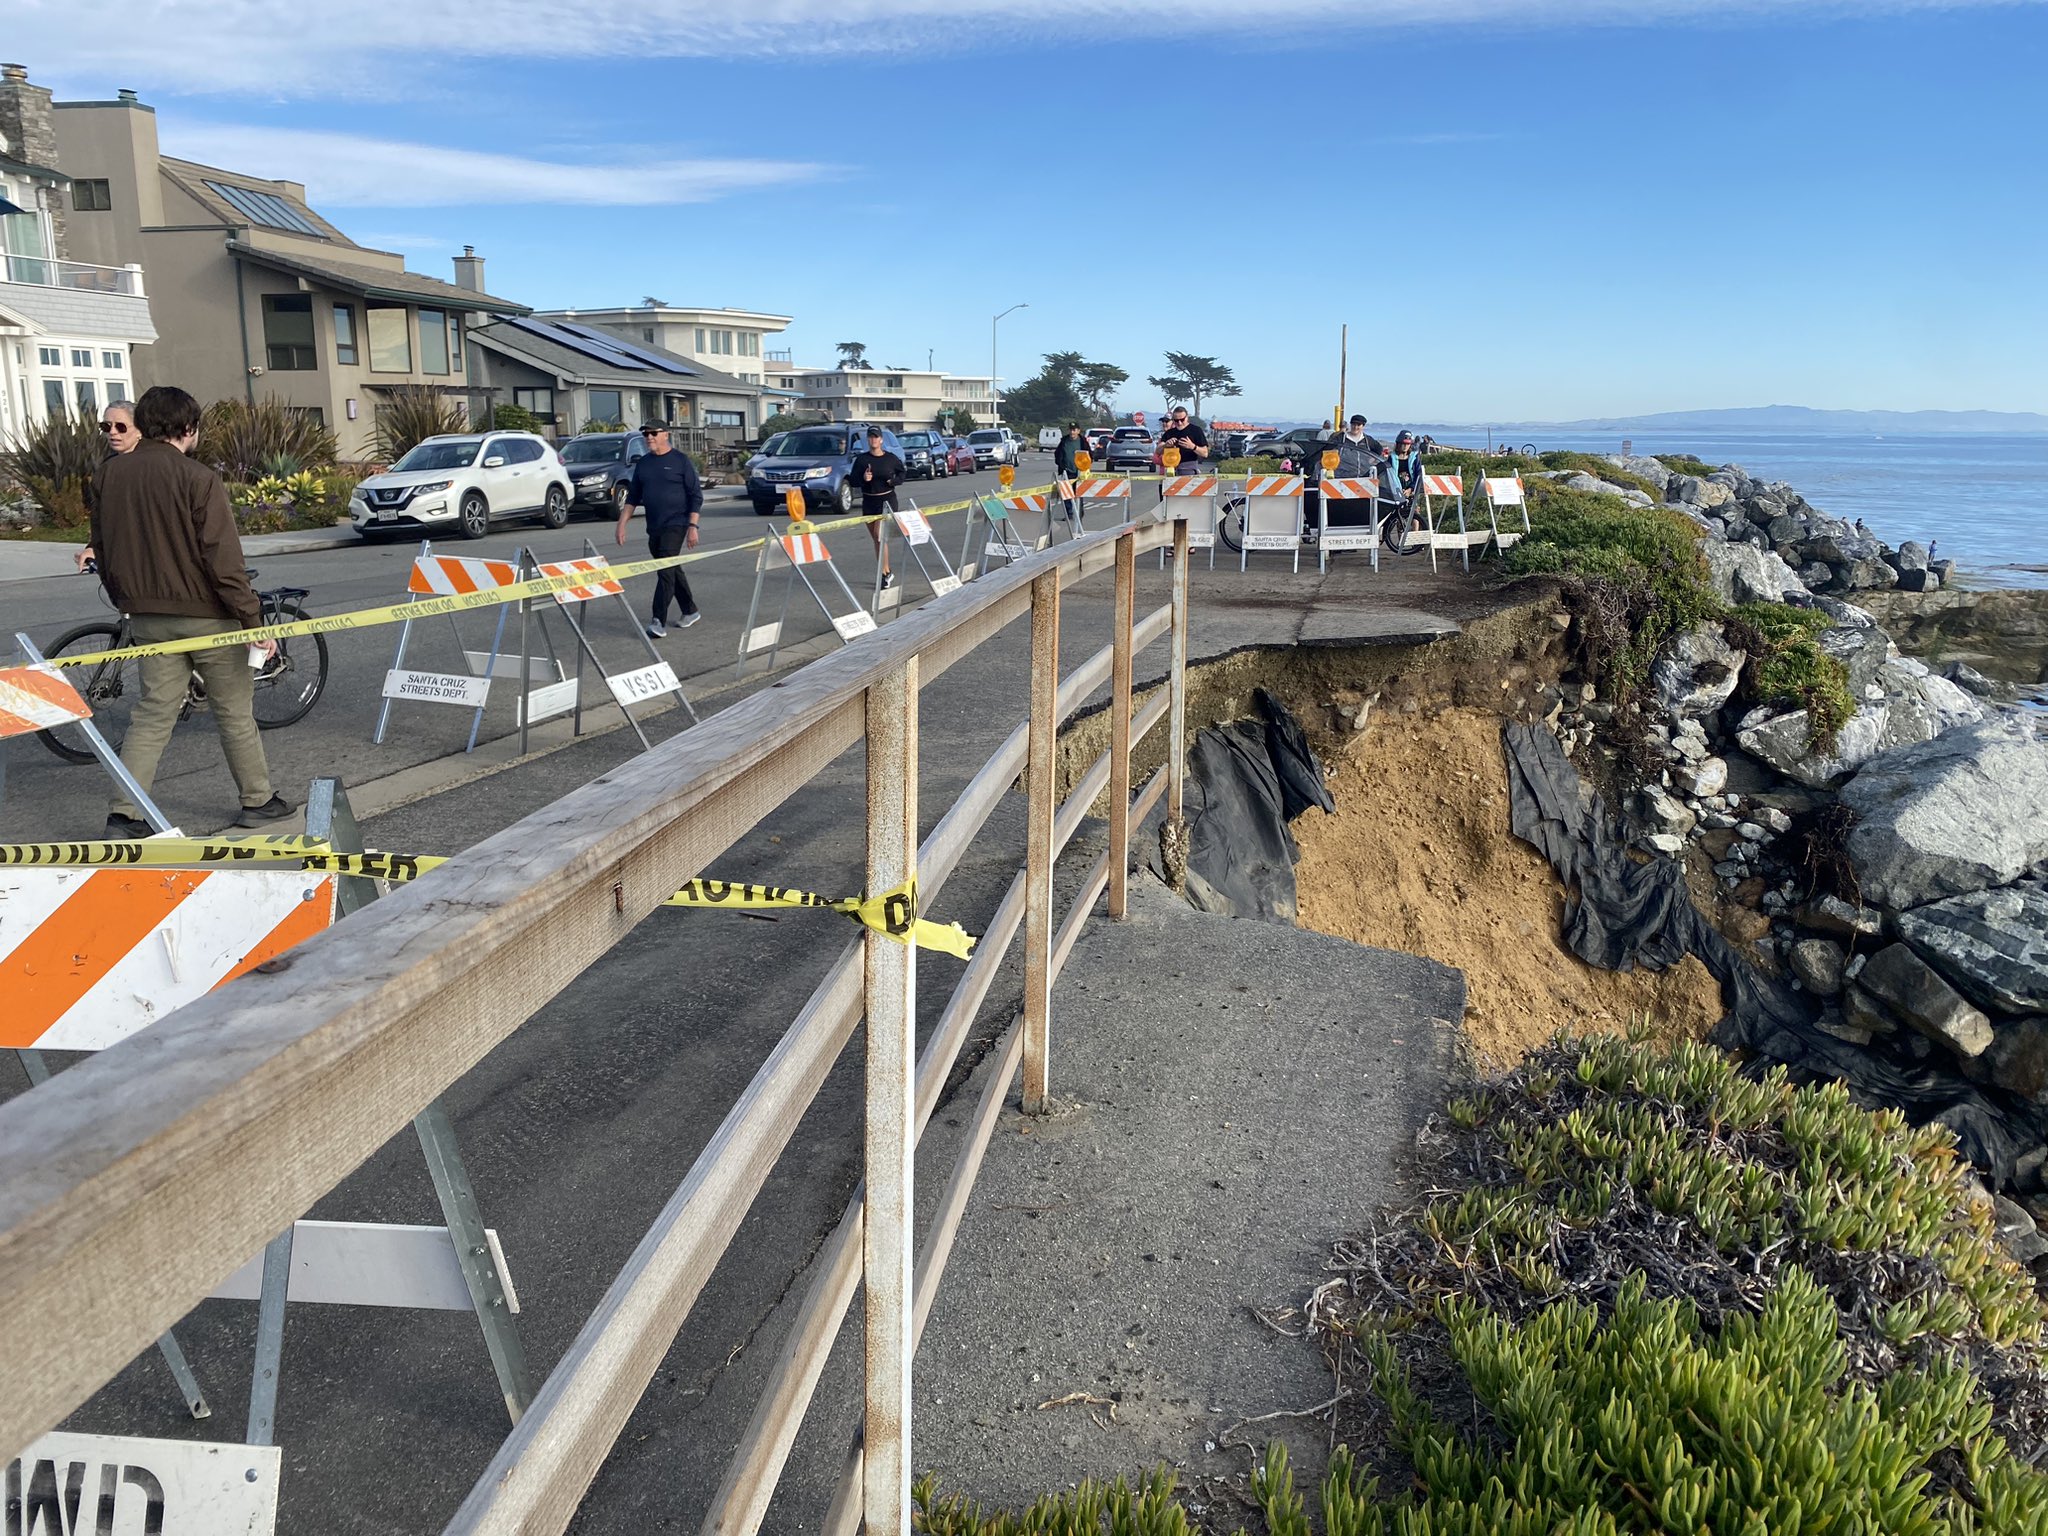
[(688, 619), (656, 630)]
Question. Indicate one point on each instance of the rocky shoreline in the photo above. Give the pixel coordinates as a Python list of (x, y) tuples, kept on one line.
[(1896, 878)]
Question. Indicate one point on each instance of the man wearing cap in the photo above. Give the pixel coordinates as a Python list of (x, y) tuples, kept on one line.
[(665, 483), (876, 474), (1359, 453), (1178, 431)]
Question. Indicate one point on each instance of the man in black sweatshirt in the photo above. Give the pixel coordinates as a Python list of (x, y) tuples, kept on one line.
[(876, 474)]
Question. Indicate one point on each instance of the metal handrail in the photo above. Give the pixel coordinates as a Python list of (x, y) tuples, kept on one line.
[(131, 1185), (82, 276)]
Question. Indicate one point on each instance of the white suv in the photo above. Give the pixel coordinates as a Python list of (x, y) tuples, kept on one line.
[(995, 445), (465, 481)]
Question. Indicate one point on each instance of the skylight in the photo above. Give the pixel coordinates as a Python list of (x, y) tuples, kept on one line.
[(263, 208)]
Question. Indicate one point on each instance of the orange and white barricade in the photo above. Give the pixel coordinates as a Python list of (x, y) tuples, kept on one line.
[(1110, 491), (1271, 516), (992, 532), (1362, 493), (800, 554), (1506, 493), (1429, 519), (651, 680), (34, 698), (433, 575), (1192, 499), (915, 529)]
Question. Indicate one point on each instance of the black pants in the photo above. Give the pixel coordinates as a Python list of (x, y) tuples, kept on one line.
[(670, 585)]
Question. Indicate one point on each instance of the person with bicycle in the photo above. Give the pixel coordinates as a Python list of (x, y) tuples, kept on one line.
[(170, 558)]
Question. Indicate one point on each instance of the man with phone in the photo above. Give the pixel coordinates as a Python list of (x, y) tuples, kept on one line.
[(170, 557), (1177, 431)]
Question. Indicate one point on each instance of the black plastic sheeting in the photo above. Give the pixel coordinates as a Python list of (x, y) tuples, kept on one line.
[(1620, 914), (1253, 777)]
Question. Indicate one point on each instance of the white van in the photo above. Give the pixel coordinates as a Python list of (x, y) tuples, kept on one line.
[(1049, 438)]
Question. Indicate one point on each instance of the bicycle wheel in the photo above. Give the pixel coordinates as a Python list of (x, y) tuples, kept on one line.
[(1230, 524), (291, 681), (110, 687)]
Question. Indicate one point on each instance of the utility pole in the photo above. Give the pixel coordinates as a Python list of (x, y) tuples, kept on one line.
[(993, 399), (1343, 371)]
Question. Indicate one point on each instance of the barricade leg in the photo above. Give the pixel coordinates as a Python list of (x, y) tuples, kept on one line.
[(1177, 711), (889, 976), (590, 550), (277, 1279), (476, 721), (398, 661), (1039, 768), (1120, 725), (583, 641), (109, 758)]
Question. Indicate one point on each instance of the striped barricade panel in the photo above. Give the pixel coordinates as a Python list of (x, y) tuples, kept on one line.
[(1032, 502), (36, 698), (1104, 488), (1337, 489), (447, 575), (92, 956), (1272, 485), (1444, 485), (1272, 512), (804, 548), (1188, 485), (602, 586)]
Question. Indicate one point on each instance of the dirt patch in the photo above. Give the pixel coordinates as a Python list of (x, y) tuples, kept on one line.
[(1418, 857)]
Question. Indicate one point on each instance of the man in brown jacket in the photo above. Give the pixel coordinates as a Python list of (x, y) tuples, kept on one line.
[(171, 559)]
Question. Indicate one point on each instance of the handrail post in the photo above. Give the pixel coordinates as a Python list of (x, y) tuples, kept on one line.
[(1038, 838), (889, 975), (1177, 724), (1120, 724)]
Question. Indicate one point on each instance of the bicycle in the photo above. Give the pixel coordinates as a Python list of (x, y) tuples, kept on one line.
[(288, 684)]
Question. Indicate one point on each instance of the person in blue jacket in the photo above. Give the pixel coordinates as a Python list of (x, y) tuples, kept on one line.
[(665, 484)]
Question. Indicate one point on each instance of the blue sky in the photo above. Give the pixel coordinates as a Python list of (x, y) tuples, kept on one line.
[(1525, 209)]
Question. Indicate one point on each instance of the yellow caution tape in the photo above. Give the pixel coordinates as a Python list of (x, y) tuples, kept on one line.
[(891, 914)]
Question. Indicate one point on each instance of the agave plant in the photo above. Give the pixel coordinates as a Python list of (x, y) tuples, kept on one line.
[(411, 413), (55, 461), (246, 440)]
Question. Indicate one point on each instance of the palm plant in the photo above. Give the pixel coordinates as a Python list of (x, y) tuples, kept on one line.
[(55, 461), (411, 413), (248, 439)]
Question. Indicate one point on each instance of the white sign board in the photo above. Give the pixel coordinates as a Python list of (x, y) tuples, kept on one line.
[(1350, 538), (120, 1485), (1201, 535), (365, 1264), (1271, 540), (760, 637), (913, 526), (538, 669), (437, 688), (941, 585), (546, 702), (644, 684), (853, 625)]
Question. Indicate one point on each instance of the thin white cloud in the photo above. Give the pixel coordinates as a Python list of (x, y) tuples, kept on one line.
[(384, 240), (272, 48), (346, 170)]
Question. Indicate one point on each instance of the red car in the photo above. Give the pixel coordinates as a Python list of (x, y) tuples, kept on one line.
[(959, 457)]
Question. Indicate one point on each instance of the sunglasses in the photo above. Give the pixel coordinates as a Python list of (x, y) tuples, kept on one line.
[(116, 427)]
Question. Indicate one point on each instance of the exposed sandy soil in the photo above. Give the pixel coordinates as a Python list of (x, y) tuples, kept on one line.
[(1418, 857)]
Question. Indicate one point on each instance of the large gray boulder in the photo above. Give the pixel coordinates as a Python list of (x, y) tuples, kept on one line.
[(1914, 991), (1579, 480), (1845, 615), (1697, 673), (1782, 741), (1992, 944), (1863, 573), (1959, 813), (1923, 703), (1642, 466), (1862, 651), (1692, 491), (2017, 1059), (1741, 573)]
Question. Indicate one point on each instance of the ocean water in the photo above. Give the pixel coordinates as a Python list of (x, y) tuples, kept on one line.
[(1982, 497)]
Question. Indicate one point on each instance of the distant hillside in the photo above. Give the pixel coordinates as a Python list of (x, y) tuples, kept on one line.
[(1803, 418)]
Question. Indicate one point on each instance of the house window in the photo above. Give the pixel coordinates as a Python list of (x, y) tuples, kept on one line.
[(91, 196), (700, 340), (110, 359), (606, 405), (345, 335), (288, 332), (117, 389), (81, 357), (50, 357), (716, 419), (53, 397), (721, 343), (390, 339), (647, 334), (455, 343), (539, 401), (88, 397), (433, 341)]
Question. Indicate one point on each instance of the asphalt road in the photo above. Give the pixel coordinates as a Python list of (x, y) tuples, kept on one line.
[(48, 799)]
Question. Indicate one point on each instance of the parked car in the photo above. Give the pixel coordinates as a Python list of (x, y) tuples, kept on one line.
[(960, 457), (1300, 444), (1049, 438), (1129, 448), (925, 455), (600, 466), (814, 460), (1098, 440), (995, 445), (464, 481)]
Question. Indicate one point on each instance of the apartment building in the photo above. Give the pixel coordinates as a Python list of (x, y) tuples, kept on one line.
[(68, 329), (273, 300), (896, 397), (732, 341)]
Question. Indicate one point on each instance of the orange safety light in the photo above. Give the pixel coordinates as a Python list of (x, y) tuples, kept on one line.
[(1006, 476), (794, 500), (1170, 457), (1084, 461), (1329, 461)]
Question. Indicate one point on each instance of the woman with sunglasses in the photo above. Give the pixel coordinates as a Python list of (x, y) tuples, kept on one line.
[(117, 426)]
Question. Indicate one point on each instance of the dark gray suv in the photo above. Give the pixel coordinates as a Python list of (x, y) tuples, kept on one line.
[(924, 455), (600, 466)]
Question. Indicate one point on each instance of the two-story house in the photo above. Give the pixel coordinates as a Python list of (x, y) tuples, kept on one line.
[(68, 329), (273, 300), (897, 397)]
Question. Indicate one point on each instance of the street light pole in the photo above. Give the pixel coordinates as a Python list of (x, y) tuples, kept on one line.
[(993, 399)]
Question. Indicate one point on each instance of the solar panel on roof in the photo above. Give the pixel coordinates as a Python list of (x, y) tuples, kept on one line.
[(270, 211), (611, 357), (665, 364)]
